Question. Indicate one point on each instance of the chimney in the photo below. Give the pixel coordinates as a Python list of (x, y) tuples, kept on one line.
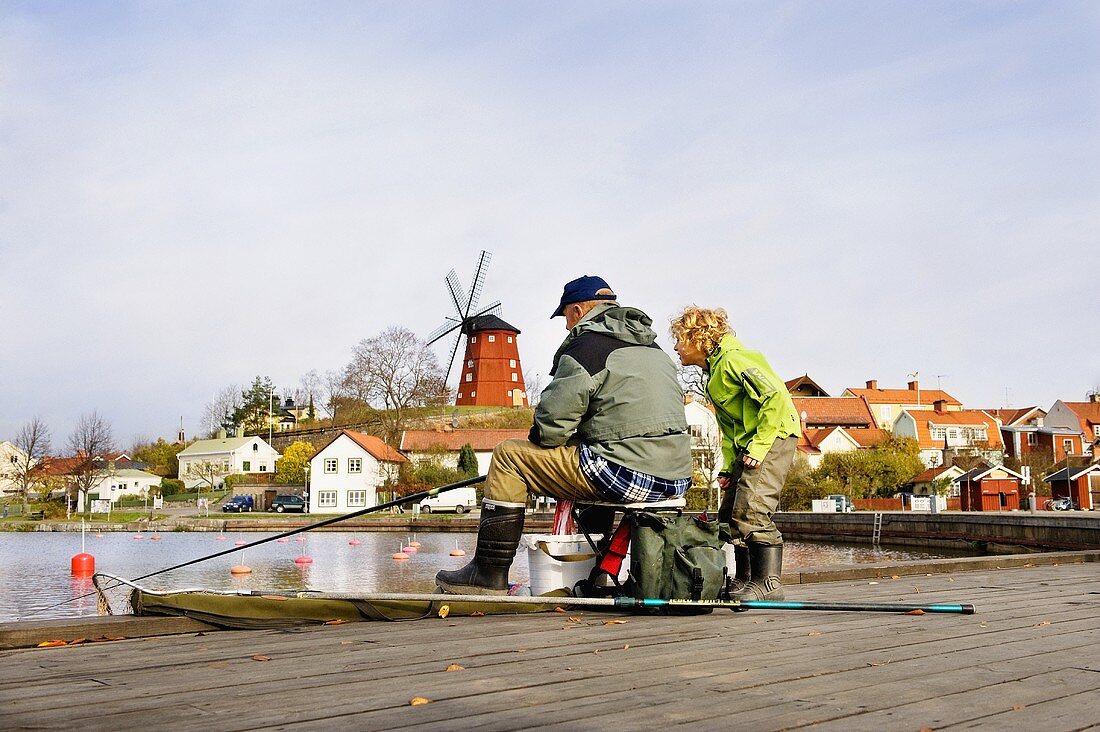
[(872, 384), (1094, 397), (221, 434), (914, 385), (802, 419), (940, 405), (240, 431)]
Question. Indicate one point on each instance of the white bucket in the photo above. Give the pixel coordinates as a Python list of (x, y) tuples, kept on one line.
[(558, 561)]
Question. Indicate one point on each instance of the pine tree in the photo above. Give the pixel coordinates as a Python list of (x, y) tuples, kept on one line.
[(467, 461)]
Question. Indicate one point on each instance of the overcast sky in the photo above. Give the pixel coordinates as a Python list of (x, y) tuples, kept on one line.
[(192, 194)]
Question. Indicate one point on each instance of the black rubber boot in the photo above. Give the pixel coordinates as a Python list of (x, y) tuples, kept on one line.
[(497, 538), (765, 568), (741, 574)]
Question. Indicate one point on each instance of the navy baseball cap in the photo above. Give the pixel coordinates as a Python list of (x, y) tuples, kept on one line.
[(583, 289)]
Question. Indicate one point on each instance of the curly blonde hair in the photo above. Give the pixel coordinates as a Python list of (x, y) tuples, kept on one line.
[(701, 327)]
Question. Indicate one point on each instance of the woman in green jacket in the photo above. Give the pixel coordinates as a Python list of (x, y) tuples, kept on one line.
[(759, 429)]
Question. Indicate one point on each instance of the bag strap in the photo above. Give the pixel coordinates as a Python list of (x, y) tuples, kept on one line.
[(612, 561)]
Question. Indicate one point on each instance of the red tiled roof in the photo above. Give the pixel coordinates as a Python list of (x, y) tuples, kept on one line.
[(60, 465), (377, 448), (868, 437), (835, 411), (479, 440), (962, 418), (905, 396), (1088, 413), (1008, 416), (932, 473)]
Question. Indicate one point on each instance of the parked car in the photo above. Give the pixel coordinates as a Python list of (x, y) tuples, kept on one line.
[(459, 500), (843, 503), (1061, 504), (238, 504), (288, 503)]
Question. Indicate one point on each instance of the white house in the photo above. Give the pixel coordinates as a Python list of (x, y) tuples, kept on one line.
[(706, 438), (235, 455), (345, 474), (126, 482), (445, 445), (11, 457)]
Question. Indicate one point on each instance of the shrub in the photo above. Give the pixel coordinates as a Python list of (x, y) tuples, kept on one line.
[(171, 487)]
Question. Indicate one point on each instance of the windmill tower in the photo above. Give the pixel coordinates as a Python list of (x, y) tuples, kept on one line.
[(491, 373)]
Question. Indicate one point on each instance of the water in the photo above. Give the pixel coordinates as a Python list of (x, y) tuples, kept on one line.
[(35, 573)]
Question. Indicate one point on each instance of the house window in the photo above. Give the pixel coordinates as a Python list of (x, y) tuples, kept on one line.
[(331, 466), (953, 433), (473, 394), (246, 466), (473, 339), (887, 413), (938, 433), (355, 465), (1067, 446), (511, 363), (326, 499), (1095, 431), (509, 339), (357, 498), (459, 395), (514, 376), (492, 339), (1032, 439), (255, 447), (263, 468), (696, 431), (470, 363), (469, 377)]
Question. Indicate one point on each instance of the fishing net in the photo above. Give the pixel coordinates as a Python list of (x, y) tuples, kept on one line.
[(112, 595)]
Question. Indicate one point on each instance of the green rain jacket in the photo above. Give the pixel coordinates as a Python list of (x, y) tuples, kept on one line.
[(615, 389), (752, 404)]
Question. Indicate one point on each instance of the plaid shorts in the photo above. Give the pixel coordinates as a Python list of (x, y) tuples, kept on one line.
[(623, 485)]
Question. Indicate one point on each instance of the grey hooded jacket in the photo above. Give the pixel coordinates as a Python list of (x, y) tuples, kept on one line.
[(616, 390)]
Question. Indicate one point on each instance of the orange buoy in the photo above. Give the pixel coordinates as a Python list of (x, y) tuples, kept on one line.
[(399, 556), (457, 553), (99, 536), (303, 560), (154, 537), (83, 564), (355, 542), (415, 544), (240, 569)]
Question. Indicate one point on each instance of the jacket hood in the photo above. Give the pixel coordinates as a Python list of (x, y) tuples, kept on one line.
[(629, 325), (626, 324)]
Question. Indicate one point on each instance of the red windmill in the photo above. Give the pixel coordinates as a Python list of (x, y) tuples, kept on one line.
[(491, 373)]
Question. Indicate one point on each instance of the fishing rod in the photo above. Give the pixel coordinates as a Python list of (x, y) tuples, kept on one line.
[(632, 603), (415, 497)]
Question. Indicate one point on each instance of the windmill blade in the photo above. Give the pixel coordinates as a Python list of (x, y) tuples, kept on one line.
[(458, 295), (479, 281), (493, 309), (451, 363), (443, 330)]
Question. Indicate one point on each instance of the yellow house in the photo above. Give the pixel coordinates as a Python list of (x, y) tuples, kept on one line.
[(887, 404)]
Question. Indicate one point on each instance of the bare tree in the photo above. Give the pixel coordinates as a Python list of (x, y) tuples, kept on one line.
[(331, 392), (91, 439), (219, 412), (207, 473), (394, 372), (310, 390), (533, 381), (33, 442), (694, 381)]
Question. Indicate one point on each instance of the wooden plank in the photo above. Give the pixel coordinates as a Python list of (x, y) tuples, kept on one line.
[(29, 633)]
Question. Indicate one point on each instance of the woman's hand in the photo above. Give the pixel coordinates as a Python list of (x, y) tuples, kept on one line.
[(749, 462)]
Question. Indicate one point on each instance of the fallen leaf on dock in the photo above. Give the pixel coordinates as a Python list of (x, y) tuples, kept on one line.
[(814, 632), (418, 700), (1039, 625), (78, 641), (894, 576), (917, 611), (52, 643), (950, 579), (614, 622), (444, 611), (337, 621), (916, 590), (626, 647), (477, 614), (1018, 707), (574, 619), (456, 667), (261, 658), (218, 664), (559, 610), (872, 583), (927, 729), (346, 643), (878, 663)]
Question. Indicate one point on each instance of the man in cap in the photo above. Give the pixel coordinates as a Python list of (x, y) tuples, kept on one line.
[(609, 427)]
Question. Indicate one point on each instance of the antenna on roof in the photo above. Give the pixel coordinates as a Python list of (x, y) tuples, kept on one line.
[(938, 378)]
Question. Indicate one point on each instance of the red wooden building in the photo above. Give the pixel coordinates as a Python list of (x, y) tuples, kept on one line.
[(491, 371), (989, 488), (1079, 484)]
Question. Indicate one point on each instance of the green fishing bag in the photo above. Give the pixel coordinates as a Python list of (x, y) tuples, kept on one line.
[(675, 556)]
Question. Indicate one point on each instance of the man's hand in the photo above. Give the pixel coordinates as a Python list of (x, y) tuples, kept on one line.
[(750, 462), (723, 481)]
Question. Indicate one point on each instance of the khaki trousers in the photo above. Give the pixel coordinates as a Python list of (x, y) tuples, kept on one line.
[(520, 466), (753, 495)]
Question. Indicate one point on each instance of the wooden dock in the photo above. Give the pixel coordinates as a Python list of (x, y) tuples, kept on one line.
[(1027, 659)]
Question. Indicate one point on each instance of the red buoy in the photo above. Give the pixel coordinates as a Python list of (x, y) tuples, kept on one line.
[(83, 565), (304, 560), (240, 569)]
